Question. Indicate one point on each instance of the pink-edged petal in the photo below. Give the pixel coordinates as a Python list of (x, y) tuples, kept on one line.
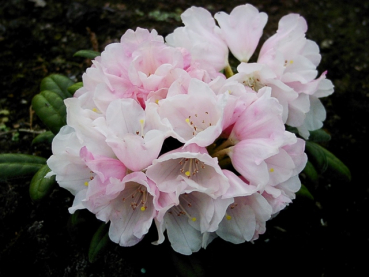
[(237, 186), (248, 158), (104, 167), (262, 119)]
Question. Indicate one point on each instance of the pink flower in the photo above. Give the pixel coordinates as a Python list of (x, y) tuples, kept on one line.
[(139, 65), (127, 203), (157, 133), (188, 169), (242, 29), (289, 53), (187, 217), (284, 168), (200, 37), (245, 219), (71, 171), (195, 117), (138, 138)]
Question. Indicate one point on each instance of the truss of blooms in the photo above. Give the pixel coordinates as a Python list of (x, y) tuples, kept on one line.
[(159, 135)]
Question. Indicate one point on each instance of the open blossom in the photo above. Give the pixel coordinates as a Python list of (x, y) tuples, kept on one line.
[(158, 134), (294, 59), (195, 117), (134, 68), (187, 169), (187, 217)]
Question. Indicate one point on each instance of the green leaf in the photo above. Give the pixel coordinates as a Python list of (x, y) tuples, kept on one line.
[(99, 243), (311, 173), (46, 137), (304, 192), (17, 165), (73, 88), (316, 156), (188, 266), (41, 186), (336, 167), (89, 54), (50, 108), (319, 136), (58, 84)]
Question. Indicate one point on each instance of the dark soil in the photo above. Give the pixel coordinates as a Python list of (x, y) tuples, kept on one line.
[(325, 237)]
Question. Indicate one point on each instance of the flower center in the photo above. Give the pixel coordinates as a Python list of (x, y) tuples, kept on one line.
[(182, 208), (92, 176), (138, 198), (253, 82), (141, 131), (190, 167), (198, 123)]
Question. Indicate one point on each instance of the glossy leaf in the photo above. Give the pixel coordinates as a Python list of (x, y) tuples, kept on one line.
[(17, 165), (45, 137), (99, 243), (73, 88), (311, 173), (41, 186), (319, 136), (316, 156), (89, 54), (58, 84), (336, 167), (304, 192), (50, 108)]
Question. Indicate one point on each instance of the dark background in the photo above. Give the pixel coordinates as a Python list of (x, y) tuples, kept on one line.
[(327, 236)]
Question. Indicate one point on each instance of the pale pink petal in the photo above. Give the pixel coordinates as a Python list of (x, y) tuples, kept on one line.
[(189, 168), (245, 219), (242, 29), (200, 38)]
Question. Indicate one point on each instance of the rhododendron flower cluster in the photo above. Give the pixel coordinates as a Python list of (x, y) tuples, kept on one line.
[(159, 135)]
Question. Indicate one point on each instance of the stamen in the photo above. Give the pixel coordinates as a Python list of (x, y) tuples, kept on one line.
[(190, 167), (180, 210), (199, 122), (142, 123), (139, 198)]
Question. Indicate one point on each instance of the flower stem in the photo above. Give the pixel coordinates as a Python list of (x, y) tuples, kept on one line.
[(223, 145), (221, 153), (228, 71), (225, 162)]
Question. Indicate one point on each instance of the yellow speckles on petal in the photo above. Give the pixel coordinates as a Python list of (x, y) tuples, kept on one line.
[(86, 184), (271, 169)]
